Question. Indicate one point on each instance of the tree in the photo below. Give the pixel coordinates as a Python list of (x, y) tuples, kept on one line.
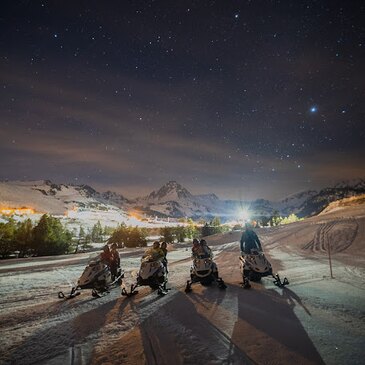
[(265, 221), (107, 231), (84, 240), (216, 222), (97, 233), (167, 234), (7, 233), (125, 236), (81, 232), (191, 229), (180, 233), (137, 238), (206, 230), (50, 238), (275, 219), (120, 236), (290, 219), (23, 237)]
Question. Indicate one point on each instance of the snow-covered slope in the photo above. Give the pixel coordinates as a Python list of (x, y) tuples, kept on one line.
[(46, 197), (76, 204)]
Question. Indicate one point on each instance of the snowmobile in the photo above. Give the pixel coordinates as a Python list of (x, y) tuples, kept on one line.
[(254, 266), (204, 271), (152, 273), (98, 277)]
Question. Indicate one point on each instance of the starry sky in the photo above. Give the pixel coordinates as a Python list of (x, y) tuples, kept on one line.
[(246, 99)]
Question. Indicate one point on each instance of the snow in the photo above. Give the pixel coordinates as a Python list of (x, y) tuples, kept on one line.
[(315, 320)]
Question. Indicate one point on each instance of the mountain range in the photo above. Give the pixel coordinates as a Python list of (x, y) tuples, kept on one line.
[(171, 200)]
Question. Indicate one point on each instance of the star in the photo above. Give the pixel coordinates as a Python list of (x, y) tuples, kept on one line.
[(313, 109)]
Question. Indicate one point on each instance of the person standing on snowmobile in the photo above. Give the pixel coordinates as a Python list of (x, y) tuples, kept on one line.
[(249, 240), (115, 260)]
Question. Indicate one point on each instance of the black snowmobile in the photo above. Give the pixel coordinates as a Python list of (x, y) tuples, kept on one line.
[(255, 266), (152, 273), (204, 271), (98, 277)]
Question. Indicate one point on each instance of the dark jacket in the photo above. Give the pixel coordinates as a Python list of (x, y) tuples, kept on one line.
[(249, 240)]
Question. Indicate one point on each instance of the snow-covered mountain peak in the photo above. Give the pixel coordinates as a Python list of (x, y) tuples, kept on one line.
[(171, 191)]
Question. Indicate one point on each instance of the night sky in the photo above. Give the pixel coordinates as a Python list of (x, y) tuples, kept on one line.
[(246, 99)]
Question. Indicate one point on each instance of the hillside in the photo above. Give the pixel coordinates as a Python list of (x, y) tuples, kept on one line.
[(76, 204)]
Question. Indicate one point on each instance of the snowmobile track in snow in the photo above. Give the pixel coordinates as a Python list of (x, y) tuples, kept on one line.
[(338, 234)]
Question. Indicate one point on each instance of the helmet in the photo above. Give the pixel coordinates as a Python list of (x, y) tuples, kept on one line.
[(203, 242), (106, 248), (195, 241), (114, 245), (156, 244), (163, 244)]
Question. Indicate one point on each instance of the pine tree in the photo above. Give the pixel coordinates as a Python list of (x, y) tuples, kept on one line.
[(81, 232), (7, 235), (167, 234), (24, 237), (137, 238), (180, 233), (216, 222), (50, 238), (97, 232), (191, 229), (120, 236)]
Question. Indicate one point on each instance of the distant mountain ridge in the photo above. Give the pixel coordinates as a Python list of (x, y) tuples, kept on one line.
[(170, 200)]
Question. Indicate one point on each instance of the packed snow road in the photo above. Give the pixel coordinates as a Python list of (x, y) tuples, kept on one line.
[(315, 320)]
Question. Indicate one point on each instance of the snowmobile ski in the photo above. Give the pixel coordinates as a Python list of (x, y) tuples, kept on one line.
[(279, 283), (74, 293)]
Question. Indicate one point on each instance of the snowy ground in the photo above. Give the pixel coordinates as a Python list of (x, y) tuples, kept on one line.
[(315, 320)]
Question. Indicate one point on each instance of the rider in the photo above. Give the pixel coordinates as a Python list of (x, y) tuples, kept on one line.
[(201, 248), (115, 260), (106, 256), (196, 247), (155, 252), (164, 250), (249, 240), (206, 248)]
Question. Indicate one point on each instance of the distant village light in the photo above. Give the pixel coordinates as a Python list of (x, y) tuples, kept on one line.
[(17, 211)]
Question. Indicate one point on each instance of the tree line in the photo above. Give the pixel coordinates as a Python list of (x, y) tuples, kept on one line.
[(50, 237), (47, 237)]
